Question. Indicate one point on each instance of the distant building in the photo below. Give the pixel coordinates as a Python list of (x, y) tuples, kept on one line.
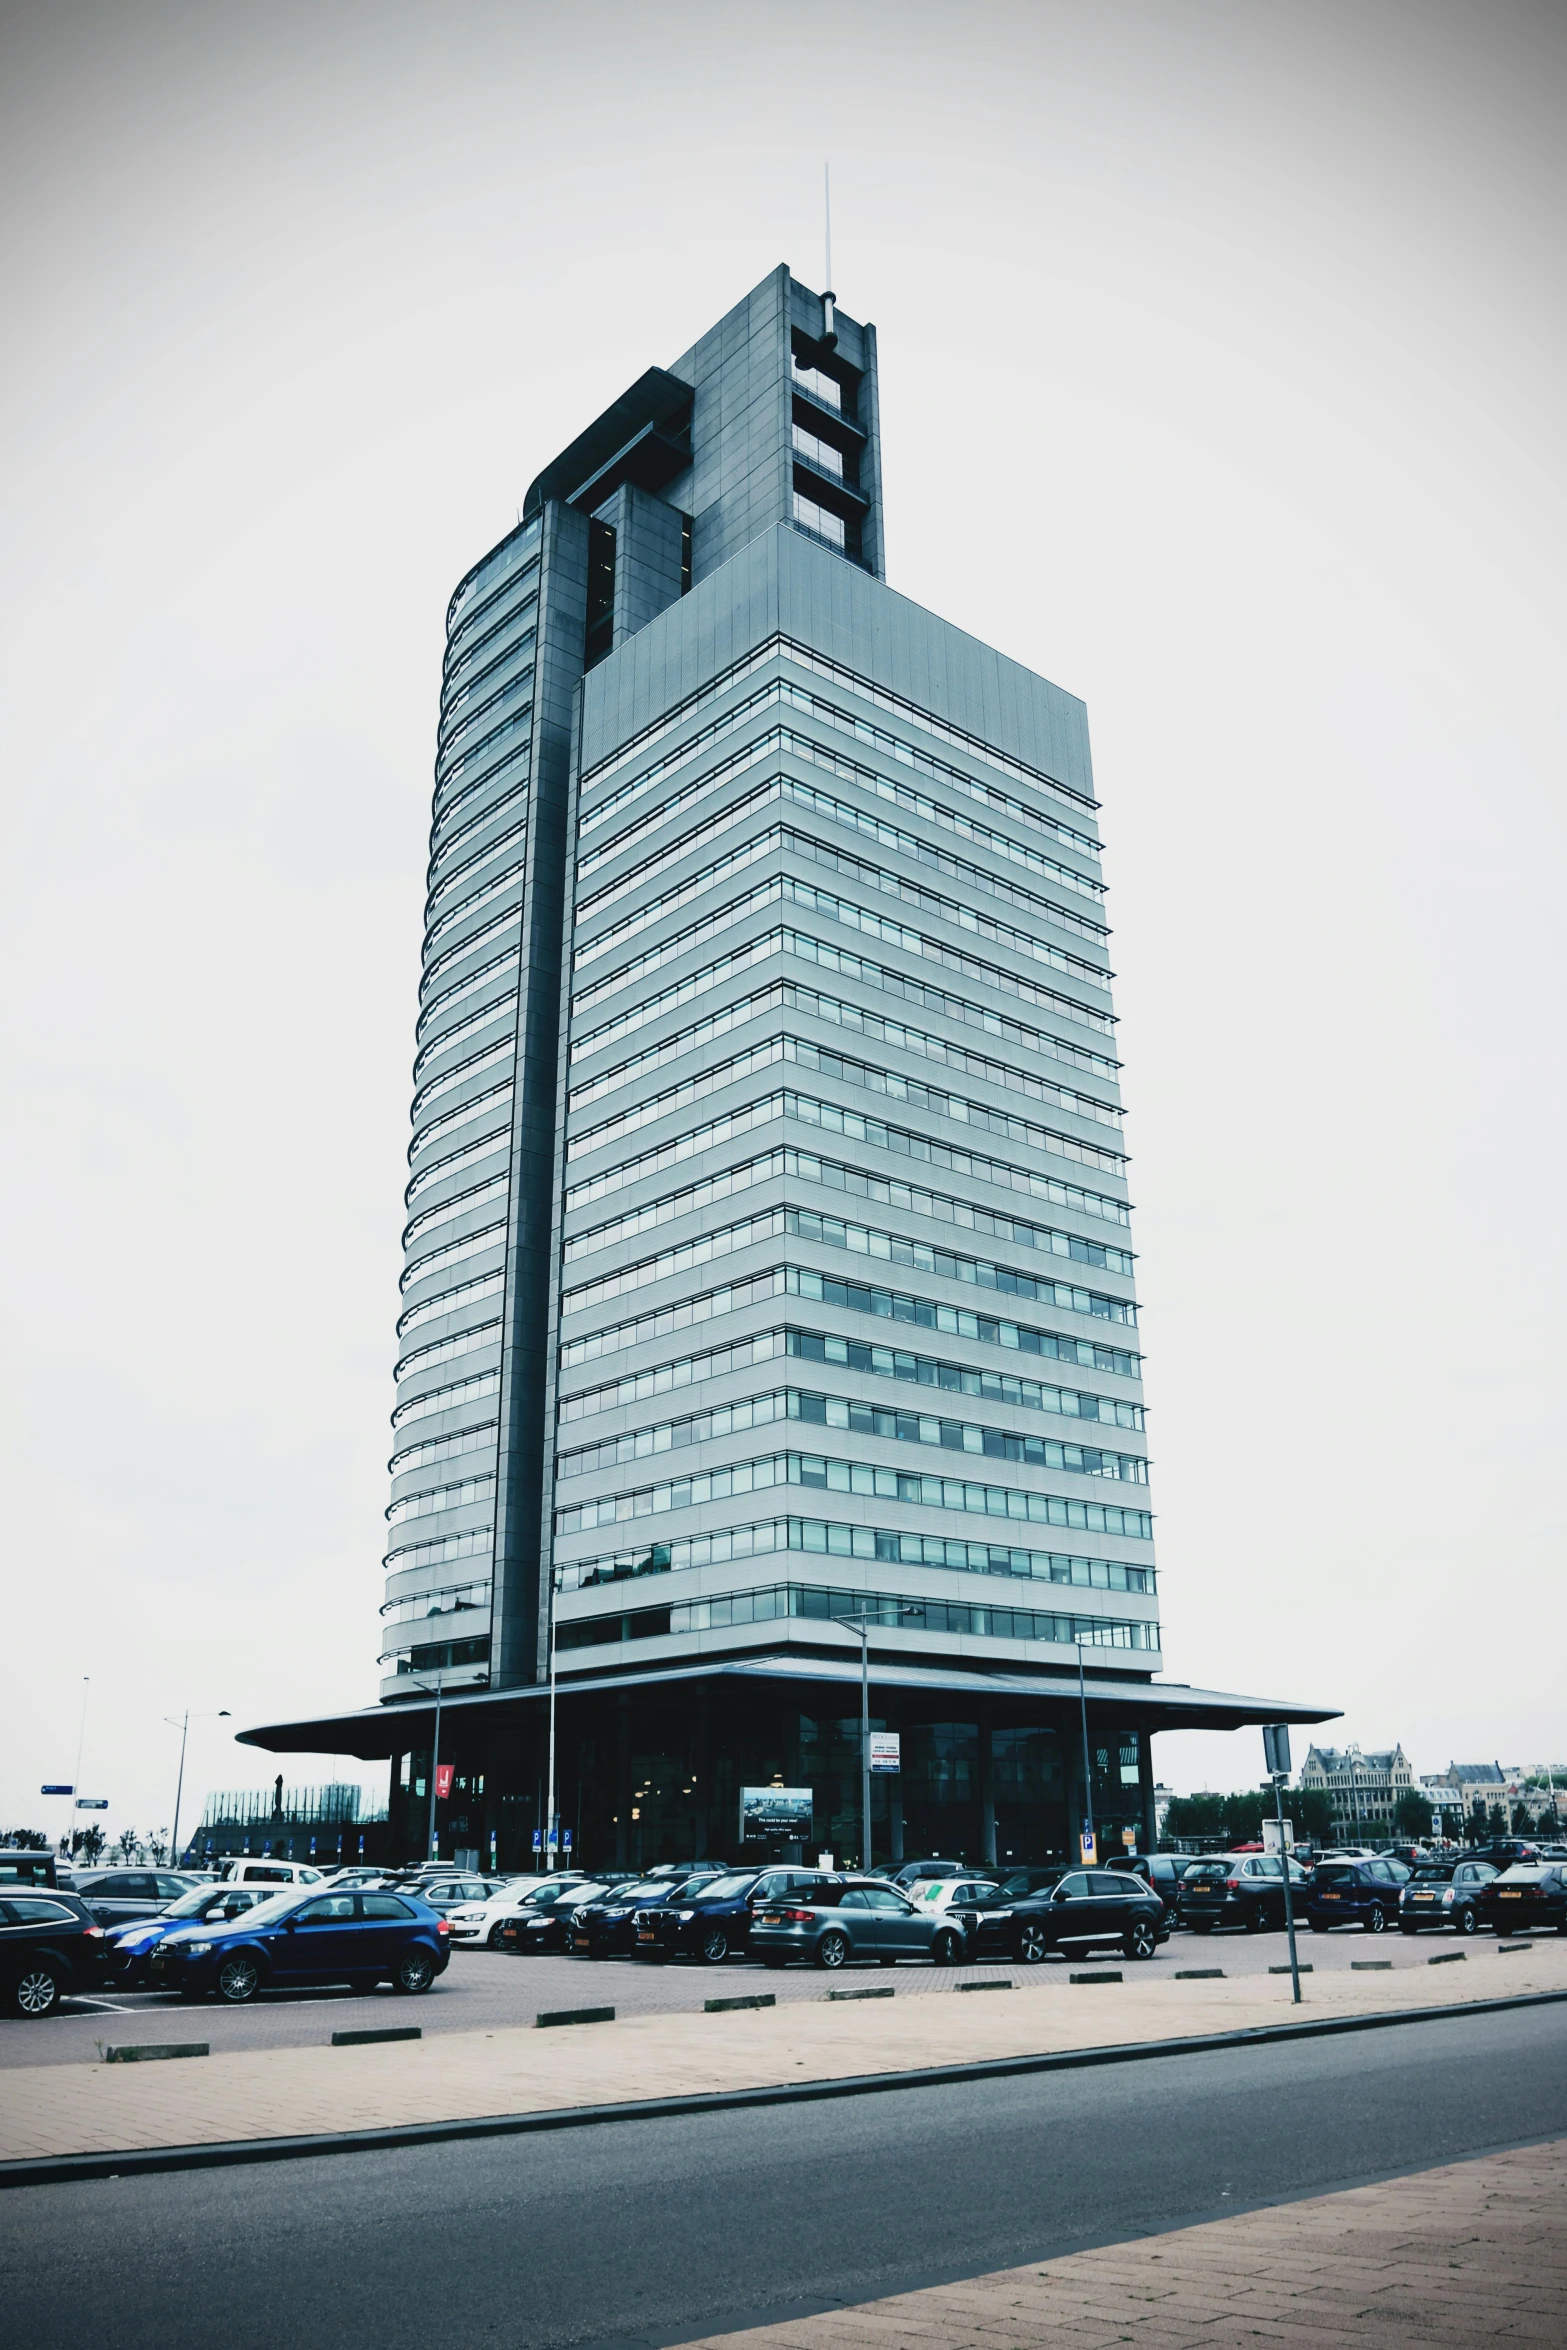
[(1363, 1788), (1468, 1788), (1163, 1797)]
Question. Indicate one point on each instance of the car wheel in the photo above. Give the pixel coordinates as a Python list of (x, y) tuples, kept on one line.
[(1033, 1945), (946, 1949), (414, 1973), (239, 1979), (1142, 1940), (715, 1946), (832, 1951), (492, 1940), (1468, 1921), (1376, 1921), (1254, 1919), (36, 1992)]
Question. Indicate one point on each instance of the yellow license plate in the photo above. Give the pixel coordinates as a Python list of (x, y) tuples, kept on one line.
[(1509, 1896)]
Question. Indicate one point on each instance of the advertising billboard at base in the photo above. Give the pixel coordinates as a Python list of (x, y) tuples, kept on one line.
[(775, 1815)]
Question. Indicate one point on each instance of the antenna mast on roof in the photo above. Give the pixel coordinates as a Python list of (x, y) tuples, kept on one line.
[(829, 298)]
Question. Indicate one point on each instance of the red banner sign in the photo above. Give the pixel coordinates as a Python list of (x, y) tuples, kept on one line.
[(444, 1773)]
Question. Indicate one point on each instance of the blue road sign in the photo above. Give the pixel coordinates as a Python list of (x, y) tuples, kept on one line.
[(57, 1790)]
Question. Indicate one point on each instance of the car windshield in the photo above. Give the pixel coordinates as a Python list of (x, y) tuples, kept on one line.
[(195, 1905), (1431, 1876), (276, 1905), (653, 1889), (1206, 1868), (724, 1889), (1335, 1872)]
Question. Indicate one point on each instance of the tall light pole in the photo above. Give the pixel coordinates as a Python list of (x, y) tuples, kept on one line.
[(551, 1834), (862, 1625), (431, 1848), (183, 1727), (81, 1742), (1088, 1776)]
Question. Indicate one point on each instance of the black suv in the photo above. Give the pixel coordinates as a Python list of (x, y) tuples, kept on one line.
[(1444, 1893), (49, 1944), (1244, 1889), (1084, 1908)]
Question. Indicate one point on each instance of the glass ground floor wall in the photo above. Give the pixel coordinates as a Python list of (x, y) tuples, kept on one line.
[(651, 1775)]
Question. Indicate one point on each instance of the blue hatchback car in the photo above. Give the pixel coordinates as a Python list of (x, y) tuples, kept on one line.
[(218, 1905), (306, 1936)]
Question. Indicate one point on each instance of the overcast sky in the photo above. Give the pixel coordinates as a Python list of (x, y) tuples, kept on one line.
[(1221, 354)]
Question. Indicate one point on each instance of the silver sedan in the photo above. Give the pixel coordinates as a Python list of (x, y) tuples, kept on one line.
[(862, 1918)]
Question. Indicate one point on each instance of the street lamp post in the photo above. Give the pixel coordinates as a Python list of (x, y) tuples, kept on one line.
[(1088, 1836), (862, 1625), (183, 1727), (431, 1851), (551, 1833)]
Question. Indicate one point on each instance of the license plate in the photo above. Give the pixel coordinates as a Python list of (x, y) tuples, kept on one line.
[(769, 1921), (1332, 1896), (647, 1935), (1508, 1895)]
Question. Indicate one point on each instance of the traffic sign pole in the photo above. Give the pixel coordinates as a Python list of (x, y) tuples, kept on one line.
[(1276, 1753)]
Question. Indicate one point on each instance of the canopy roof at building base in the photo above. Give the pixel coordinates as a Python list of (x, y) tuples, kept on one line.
[(380, 1731)]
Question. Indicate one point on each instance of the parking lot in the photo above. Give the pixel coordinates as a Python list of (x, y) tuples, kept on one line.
[(484, 1991)]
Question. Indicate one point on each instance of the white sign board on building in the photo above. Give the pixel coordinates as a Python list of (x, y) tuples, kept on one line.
[(885, 1751)]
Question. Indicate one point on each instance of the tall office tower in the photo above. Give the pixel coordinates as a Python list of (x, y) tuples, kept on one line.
[(768, 1268)]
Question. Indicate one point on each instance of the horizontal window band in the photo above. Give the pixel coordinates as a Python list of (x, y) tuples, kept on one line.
[(448, 1399), (461, 1072), (914, 1488), (466, 1342), (451, 1301), (887, 1423), (461, 1204), (441, 1497), (794, 890), (471, 1244), (852, 1354), (792, 789), (492, 931), (809, 1167), (482, 1105), (482, 1437), (484, 1148), (439, 1552), (487, 976), (789, 741), (461, 874), (854, 1297), (835, 1232), (509, 803), (831, 715), (881, 1543), (804, 1052), (864, 1020)]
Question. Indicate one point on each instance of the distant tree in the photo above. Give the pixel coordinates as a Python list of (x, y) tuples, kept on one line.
[(1195, 1815), (1523, 1820), (158, 1847), (128, 1847), (87, 1844), (1311, 1809), (1243, 1815), (1412, 1814), (24, 1839)]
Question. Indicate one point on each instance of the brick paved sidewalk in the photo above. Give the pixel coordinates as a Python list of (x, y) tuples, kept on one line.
[(286, 2092), (1474, 2252)]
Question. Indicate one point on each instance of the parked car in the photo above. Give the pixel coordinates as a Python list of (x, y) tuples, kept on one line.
[(50, 1945), (31, 1868), (306, 1937), (270, 1872), (1037, 1877), (1239, 1889), (941, 1894), (1166, 1870), (712, 1921), (856, 1917), (476, 1925), (543, 1922), (1444, 1893), (605, 1926), (1528, 1898), (130, 1947), (1085, 1909), (118, 1897), (450, 1892), (1355, 1893), (913, 1871)]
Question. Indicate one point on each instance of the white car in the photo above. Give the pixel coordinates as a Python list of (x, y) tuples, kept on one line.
[(475, 1923), (939, 1893), (269, 1872)]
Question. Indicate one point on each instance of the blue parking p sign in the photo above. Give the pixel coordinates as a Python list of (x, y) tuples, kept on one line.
[(538, 1839)]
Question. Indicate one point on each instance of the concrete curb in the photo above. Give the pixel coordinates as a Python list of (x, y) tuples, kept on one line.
[(56, 2169)]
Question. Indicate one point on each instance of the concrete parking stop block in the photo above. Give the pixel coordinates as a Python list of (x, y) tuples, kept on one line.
[(986, 1983), (1112, 1977), (1512, 1949), (157, 2051), (1204, 1974), (1447, 1958), (751, 1999), (1304, 1968), (871, 1991), (573, 2015), (387, 2032), (1371, 1966)]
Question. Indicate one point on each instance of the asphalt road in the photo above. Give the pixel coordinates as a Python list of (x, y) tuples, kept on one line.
[(482, 1991), (659, 2231)]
